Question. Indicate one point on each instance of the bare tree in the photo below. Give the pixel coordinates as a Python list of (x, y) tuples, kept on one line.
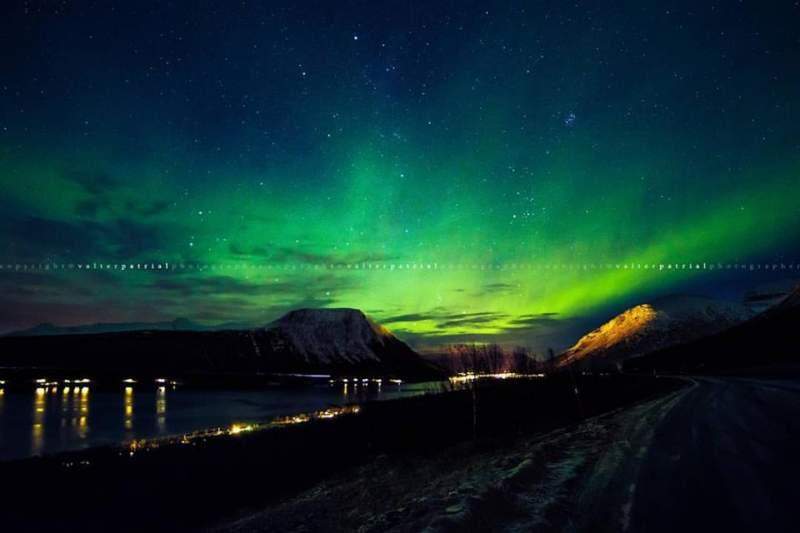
[(522, 360), (551, 359), (495, 359)]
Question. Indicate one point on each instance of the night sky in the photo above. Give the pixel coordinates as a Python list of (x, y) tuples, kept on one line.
[(305, 135)]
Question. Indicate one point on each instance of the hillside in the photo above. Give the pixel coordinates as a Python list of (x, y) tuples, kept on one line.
[(769, 339)]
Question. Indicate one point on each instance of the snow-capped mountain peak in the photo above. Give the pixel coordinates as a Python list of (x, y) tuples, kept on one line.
[(648, 327), (331, 335)]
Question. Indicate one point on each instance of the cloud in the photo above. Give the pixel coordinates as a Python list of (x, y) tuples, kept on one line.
[(540, 319), (445, 320), (285, 254), (470, 320), (211, 285), (99, 189), (250, 312), (146, 209), (95, 183), (498, 287), (89, 207), (226, 298), (106, 194), (34, 238), (412, 317), (493, 289), (64, 298), (45, 287), (205, 285)]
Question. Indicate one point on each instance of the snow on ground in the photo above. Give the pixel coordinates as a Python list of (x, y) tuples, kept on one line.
[(571, 479)]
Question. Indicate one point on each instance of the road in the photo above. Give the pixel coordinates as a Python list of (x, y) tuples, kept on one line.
[(725, 457), (720, 455)]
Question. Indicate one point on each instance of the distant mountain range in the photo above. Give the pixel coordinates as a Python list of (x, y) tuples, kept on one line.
[(330, 341), (179, 324), (648, 327)]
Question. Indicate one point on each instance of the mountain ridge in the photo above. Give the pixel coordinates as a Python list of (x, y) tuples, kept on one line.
[(176, 324), (652, 326)]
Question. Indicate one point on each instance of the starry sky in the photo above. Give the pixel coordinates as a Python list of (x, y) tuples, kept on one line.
[(302, 139)]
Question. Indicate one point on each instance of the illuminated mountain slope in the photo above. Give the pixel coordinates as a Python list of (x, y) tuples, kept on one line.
[(766, 343), (649, 327)]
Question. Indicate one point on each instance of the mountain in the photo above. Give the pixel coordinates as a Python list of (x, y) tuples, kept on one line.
[(790, 301), (768, 295), (333, 336), (649, 327), (767, 341), (179, 324), (326, 341)]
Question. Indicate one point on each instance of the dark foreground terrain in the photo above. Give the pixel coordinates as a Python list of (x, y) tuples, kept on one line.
[(628, 453), (720, 455), (205, 481)]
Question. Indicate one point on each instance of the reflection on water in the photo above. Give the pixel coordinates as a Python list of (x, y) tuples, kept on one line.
[(51, 419), (37, 428), (128, 408), (83, 413), (69, 410), (161, 408)]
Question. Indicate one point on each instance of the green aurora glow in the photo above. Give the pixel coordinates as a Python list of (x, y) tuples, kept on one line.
[(497, 139)]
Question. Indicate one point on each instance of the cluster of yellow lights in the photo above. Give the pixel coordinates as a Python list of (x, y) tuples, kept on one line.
[(333, 412), (158, 381), (75, 386), (356, 381), (239, 428), (74, 390), (472, 376), (44, 382), (41, 391)]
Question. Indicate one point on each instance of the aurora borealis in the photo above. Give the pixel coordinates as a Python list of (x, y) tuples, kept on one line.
[(305, 135)]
